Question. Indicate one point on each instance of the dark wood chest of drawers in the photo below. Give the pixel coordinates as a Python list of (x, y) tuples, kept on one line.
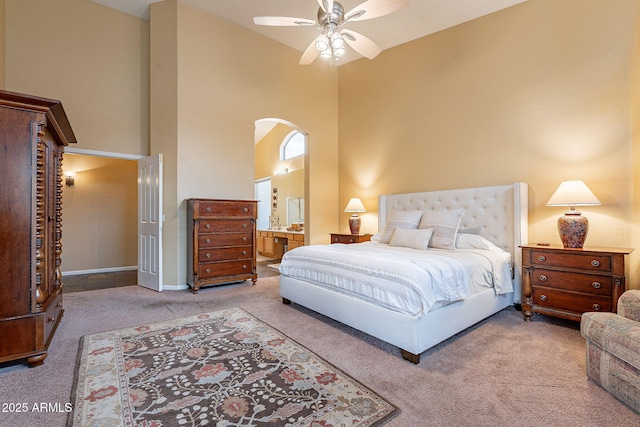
[(221, 241), (565, 282)]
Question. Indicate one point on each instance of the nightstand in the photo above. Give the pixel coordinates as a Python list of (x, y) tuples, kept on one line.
[(349, 238), (566, 282)]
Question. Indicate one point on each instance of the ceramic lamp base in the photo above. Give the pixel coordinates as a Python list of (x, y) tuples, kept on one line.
[(573, 229), (354, 224)]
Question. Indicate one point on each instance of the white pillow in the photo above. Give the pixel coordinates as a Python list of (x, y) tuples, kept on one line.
[(475, 241), (445, 227), (416, 239), (400, 219)]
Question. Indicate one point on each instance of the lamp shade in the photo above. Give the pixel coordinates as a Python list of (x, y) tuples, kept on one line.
[(573, 193), (355, 205)]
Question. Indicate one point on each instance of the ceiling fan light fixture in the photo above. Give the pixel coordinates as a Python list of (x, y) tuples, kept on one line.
[(331, 16), (336, 41), (322, 44)]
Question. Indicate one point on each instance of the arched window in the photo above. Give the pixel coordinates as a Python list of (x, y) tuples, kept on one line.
[(292, 145)]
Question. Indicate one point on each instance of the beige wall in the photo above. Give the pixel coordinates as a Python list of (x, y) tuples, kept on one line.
[(100, 214), (2, 43), (540, 93), (223, 87), (92, 58)]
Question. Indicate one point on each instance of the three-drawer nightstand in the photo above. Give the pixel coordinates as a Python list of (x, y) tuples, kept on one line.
[(566, 282), (349, 238)]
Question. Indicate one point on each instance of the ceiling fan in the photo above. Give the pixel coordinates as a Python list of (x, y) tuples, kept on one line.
[(331, 16)]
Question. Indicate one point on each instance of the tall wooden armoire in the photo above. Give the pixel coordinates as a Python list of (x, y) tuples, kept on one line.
[(33, 133)]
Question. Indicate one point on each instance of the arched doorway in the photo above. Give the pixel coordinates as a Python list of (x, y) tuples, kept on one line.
[(281, 179)]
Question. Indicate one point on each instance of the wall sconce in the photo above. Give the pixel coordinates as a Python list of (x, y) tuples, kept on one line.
[(282, 171), (354, 205), (70, 178), (573, 227)]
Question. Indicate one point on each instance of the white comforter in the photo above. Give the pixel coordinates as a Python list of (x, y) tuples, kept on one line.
[(407, 280)]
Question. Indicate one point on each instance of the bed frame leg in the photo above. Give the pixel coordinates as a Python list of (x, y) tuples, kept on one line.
[(286, 301), (413, 358)]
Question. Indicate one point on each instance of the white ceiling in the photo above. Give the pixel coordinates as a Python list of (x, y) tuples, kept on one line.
[(420, 18)]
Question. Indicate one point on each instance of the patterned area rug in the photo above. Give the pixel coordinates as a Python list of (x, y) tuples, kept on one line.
[(224, 368)]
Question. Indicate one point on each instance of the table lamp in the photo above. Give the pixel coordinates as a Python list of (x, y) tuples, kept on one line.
[(354, 205), (572, 226)]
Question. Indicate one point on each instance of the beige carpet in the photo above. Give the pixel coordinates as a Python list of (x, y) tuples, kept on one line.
[(502, 372)]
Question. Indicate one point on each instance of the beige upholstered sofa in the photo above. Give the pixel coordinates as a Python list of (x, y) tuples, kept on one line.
[(613, 349)]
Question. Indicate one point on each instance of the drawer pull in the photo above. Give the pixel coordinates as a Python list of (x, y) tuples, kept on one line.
[(543, 278), (244, 266), (246, 209), (244, 252), (207, 226), (207, 255), (208, 270), (595, 263), (543, 297), (244, 239), (244, 225), (596, 285), (208, 209), (596, 307), (208, 241), (542, 258)]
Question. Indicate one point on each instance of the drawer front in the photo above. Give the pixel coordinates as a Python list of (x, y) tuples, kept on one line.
[(589, 262), (235, 209), (52, 316), (225, 268), (339, 238), (588, 283), (223, 254), (228, 239), (569, 301), (225, 225)]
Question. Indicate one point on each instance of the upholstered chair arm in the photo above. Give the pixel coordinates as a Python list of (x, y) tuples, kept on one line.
[(613, 333), (629, 305)]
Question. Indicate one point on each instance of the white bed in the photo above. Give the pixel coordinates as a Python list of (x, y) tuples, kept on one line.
[(497, 213)]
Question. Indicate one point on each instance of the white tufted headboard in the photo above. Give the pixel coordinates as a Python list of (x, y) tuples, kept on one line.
[(499, 214)]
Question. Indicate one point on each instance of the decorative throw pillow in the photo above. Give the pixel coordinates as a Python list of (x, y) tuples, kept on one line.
[(445, 227), (400, 219), (416, 239)]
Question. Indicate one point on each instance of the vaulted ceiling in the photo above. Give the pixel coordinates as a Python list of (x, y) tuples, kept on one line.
[(420, 18)]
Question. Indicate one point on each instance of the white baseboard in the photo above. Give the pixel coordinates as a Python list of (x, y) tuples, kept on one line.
[(99, 270), (174, 287)]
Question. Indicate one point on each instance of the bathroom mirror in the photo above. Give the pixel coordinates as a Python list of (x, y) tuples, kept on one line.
[(295, 210)]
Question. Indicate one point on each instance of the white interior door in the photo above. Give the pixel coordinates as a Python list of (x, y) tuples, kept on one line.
[(150, 222)]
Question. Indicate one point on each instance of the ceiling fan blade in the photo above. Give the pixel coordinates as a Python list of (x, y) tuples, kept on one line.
[(282, 21), (326, 5), (310, 54), (361, 44), (374, 8)]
